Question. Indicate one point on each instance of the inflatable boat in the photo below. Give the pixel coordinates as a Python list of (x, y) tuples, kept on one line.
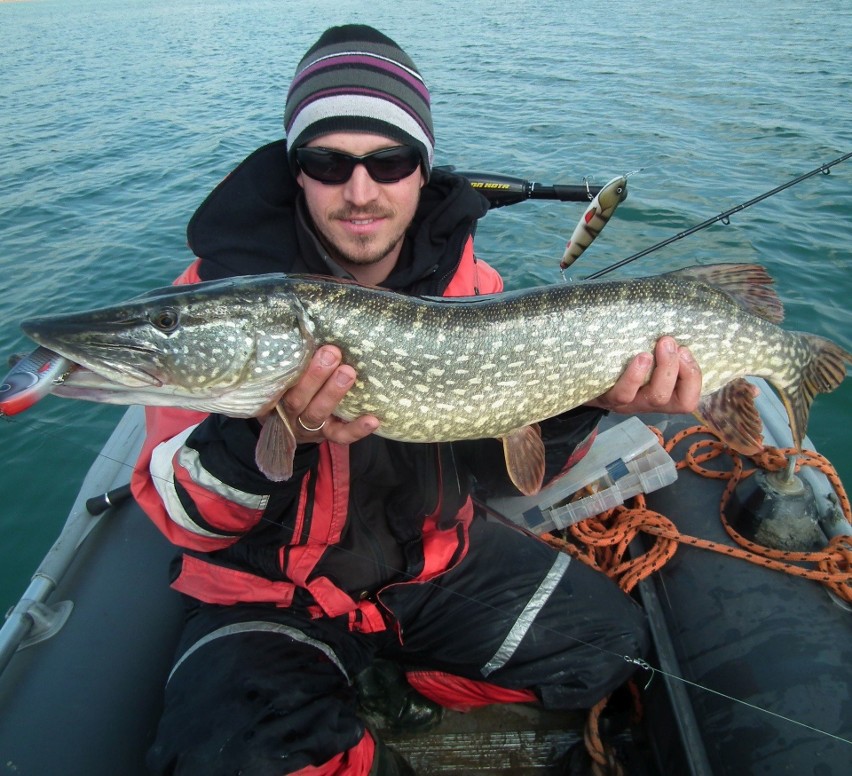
[(750, 671)]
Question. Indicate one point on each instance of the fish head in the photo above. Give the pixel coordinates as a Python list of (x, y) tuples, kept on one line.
[(228, 346)]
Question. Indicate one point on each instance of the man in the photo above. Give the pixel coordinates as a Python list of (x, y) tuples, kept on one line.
[(372, 548)]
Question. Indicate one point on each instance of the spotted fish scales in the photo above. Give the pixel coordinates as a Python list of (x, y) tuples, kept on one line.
[(454, 370)]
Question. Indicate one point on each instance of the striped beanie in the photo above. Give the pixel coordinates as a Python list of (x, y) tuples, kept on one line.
[(354, 79)]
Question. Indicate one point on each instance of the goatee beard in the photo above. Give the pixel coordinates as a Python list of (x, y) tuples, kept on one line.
[(363, 258), (368, 252)]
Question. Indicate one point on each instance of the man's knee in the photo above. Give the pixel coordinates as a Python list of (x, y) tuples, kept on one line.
[(257, 702)]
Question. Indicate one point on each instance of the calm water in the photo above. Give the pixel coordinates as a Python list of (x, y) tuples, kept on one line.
[(116, 118)]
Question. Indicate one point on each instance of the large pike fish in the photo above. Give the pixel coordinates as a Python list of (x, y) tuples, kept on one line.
[(438, 369)]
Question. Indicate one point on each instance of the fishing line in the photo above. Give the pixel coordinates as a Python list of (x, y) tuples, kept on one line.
[(637, 661), (55, 430), (724, 217), (753, 706)]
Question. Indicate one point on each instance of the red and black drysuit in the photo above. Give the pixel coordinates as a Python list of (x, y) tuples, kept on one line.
[(371, 549)]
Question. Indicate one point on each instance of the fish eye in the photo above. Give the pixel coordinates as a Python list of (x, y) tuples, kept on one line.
[(166, 319)]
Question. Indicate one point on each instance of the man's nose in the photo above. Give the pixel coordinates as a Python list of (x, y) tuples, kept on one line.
[(360, 188)]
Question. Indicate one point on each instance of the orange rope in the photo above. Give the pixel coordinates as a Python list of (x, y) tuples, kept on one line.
[(602, 541), (604, 760)]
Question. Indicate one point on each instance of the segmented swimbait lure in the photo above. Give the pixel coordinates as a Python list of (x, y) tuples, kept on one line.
[(595, 218)]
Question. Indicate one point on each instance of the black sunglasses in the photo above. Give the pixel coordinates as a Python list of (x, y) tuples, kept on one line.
[(388, 165)]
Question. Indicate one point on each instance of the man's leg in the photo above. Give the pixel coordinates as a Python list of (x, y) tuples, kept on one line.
[(262, 693), (517, 614)]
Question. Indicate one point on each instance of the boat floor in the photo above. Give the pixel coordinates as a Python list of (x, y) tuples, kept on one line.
[(513, 740), (499, 740)]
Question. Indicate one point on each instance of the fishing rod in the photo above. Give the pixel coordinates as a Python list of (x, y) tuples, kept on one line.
[(97, 505), (501, 190), (724, 217)]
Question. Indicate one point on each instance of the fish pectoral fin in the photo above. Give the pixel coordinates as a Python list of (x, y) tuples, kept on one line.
[(524, 453), (732, 415), (276, 447)]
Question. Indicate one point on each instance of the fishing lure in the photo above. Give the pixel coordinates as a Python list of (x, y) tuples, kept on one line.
[(31, 378), (594, 219)]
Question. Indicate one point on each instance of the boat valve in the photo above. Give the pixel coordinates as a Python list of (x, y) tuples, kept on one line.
[(777, 510)]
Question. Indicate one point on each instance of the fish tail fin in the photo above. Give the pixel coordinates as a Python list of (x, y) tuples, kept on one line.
[(731, 414), (823, 372)]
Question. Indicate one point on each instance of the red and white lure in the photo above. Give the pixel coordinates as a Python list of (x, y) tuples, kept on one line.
[(595, 218), (31, 378)]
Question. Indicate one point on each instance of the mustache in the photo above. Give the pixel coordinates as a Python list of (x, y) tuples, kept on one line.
[(357, 214)]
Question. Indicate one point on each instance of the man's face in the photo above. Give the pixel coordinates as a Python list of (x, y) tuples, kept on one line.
[(361, 223)]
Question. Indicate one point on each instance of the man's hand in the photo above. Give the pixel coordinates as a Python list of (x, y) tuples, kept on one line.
[(309, 403), (668, 381)]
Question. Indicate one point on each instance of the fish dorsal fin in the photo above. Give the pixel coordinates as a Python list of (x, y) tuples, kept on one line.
[(524, 453), (749, 285), (276, 447), (732, 415)]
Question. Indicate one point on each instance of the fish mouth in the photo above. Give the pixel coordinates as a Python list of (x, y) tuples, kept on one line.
[(102, 348), (81, 379), (106, 360), (115, 372), (82, 383)]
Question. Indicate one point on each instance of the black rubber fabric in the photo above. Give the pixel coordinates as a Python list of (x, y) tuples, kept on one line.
[(274, 691), (384, 691), (254, 704)]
